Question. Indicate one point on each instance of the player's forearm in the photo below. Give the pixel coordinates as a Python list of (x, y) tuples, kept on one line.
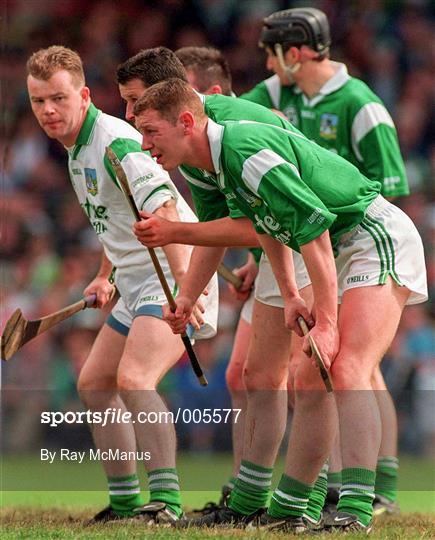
[(177, 254), (281, 260), (105, 267), (319, 260), (203, 264), (224, 232), (178, 260)]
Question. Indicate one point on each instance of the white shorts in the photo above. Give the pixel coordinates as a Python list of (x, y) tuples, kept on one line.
[(266, 286), (141, 295), (386, 243), (248, 306)]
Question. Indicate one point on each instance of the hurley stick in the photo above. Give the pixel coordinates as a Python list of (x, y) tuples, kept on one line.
[(18, 330), (317, 357), (116, 164)]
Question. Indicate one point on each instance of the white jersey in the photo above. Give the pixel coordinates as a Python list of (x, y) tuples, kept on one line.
[(103, 201), (100, 196)]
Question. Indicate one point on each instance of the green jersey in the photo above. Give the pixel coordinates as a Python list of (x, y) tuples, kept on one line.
[(347, 118), (209, 202), (288, 186)]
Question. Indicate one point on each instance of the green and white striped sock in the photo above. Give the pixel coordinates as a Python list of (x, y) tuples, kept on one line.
[(318, 496), (357, 493), (231, 482), (386, 477), (334, 480), (165, 487), (252, 488), (290, 498), (124, 494)]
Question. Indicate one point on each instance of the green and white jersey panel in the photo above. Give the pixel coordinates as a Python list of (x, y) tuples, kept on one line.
[(347, 118), (100, 196), (287, 185), (209, 202)]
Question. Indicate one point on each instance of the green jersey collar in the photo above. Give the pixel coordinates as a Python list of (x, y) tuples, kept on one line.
[(88, 125), (215, 133)]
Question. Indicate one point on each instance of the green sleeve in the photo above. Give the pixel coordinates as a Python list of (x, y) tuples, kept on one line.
[(382, 160), (259, 94), (209, 202)]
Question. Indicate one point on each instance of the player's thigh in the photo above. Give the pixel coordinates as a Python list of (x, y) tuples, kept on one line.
[(234, 373), (101, 366), (150, 351), (368, 321), (269, 349)]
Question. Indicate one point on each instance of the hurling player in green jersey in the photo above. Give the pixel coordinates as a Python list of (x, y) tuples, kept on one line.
[(287, 186), (341, 114)]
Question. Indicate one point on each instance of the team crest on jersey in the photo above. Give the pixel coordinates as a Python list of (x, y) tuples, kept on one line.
[(91, 181), (292, 115), (250, 199), (328, 126)]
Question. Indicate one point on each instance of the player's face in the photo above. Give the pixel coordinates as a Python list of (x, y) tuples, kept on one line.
[(272, 64), (59, 105), (161, 138), (130, 92)]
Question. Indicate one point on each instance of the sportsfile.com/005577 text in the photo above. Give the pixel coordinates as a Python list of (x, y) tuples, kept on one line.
[(118, 416)]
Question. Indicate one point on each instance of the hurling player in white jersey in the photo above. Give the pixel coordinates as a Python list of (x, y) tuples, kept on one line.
[(135, 347)]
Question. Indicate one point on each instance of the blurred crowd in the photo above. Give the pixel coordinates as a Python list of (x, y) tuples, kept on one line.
[(49, 252)]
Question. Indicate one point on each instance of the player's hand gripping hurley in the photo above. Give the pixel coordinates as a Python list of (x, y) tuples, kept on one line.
[(18, 330), (122, 178), (316, 355)]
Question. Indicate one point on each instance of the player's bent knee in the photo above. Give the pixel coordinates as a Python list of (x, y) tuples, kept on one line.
[(351, 373), (96, 393), (264, 381), (307, 377), (129, 380), (234, 378)]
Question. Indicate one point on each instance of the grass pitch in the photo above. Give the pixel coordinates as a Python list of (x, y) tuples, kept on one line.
[(51, 513)]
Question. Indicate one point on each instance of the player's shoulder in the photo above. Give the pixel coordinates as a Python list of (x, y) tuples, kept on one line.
[(110, 128), (357, 93)]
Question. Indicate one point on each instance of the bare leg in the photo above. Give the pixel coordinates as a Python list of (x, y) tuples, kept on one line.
[(365, 335), (98, 391), (236, 387), (151, 350), (388, 415), (265, 376)]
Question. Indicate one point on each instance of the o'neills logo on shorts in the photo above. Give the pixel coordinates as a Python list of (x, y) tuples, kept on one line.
[(357, 279)]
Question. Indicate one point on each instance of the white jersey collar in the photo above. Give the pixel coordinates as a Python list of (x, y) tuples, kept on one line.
[(339, 79), (215, 133)]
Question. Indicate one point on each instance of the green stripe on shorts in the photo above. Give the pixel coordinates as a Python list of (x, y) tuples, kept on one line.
[(384, 272)]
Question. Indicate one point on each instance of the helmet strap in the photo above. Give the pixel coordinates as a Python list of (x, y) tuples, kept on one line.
[(288, 70)]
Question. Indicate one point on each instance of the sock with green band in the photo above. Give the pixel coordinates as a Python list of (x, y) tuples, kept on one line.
[(230, 483), (334, 480), (124, 493), (290, 498), (165, 487), (386, 477), (318, 496), (251, 489), (357, 493)]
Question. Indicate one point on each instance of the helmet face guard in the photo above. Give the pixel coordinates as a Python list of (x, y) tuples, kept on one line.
[(296, 27)]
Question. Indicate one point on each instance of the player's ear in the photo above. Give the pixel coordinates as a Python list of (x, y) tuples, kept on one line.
[(293, 54), (215, 89), (85, 93), (187, 120)]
